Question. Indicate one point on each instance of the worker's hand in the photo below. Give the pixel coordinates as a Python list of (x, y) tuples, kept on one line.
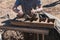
[(15, 9), (20, 13), (39, 10), (33, 11)]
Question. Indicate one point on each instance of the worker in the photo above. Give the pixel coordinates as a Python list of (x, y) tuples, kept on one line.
[(29, 7)]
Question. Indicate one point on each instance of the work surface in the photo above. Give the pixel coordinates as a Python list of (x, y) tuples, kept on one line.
[(23, 29), (25, 23), (32, 27)]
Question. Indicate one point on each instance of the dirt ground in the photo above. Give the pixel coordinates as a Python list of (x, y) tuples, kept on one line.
[(50, 6), (54, 10)]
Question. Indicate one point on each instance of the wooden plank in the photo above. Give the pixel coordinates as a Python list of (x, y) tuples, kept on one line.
[(33, 24), (29, 30), (37, 36), (43, 37), (57, 21)]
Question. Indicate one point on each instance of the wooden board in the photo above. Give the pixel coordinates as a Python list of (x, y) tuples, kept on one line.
[(29, 30), (32, 24)]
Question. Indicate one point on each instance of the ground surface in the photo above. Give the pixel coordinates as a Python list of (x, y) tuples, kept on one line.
[(50, 6), (53, 8)]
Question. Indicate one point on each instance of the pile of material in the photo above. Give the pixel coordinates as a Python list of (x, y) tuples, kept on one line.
[(12, 35)]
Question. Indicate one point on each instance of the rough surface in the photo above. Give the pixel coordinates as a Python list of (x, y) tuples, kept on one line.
[(6, 7), (12, 35), (53, 8)]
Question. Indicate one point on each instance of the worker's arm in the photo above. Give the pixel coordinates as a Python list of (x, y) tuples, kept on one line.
[(38, 7), (15, 7)]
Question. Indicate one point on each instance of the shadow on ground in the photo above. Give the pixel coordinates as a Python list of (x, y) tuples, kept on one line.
[(52, 4), (7, 22)]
